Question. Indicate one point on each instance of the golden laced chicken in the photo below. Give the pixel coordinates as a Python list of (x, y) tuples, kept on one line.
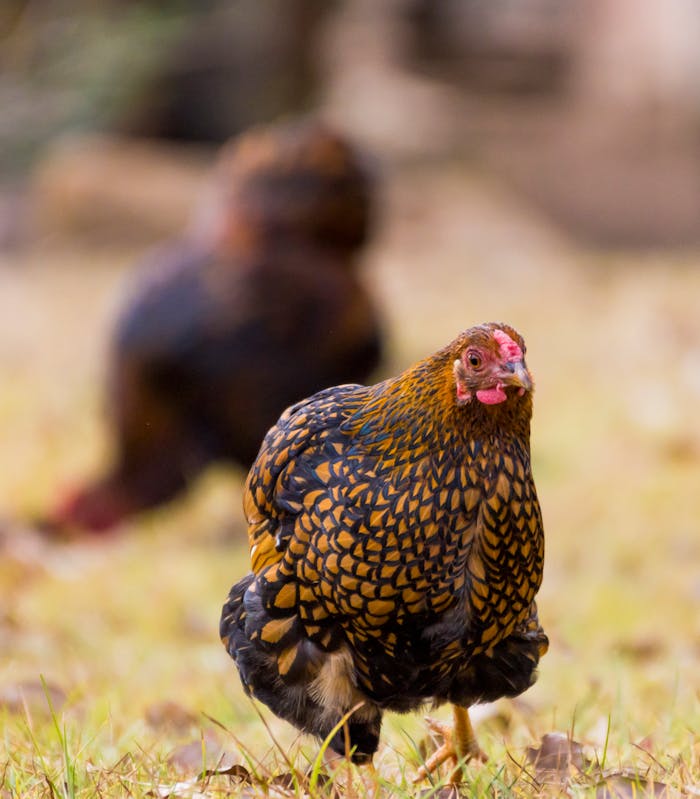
[(397, 546), (257, 307)]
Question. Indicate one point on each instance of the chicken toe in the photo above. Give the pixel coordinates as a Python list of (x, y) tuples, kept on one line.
[(459, 746)]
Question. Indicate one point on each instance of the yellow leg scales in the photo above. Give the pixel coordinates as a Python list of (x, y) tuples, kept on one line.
[(459, 745)]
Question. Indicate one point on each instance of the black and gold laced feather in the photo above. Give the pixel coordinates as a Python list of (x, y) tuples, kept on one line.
[(396, 522)]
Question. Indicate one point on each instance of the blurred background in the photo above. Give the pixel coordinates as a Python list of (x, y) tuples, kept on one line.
[(537, 162)]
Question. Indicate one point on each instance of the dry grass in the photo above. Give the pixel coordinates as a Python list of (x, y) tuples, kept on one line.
[(124, 631)]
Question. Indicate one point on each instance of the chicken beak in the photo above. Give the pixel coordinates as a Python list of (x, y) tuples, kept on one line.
[(516, 374)]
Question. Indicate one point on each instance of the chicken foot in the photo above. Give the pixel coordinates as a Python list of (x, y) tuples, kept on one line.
[(459, 745)]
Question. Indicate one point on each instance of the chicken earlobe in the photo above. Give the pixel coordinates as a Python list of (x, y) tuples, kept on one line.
[(460, 373)]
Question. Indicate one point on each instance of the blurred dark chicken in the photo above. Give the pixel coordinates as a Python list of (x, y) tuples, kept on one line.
[(257, 307), (397, 547)]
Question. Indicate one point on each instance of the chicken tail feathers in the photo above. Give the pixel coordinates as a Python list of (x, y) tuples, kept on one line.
[(233, 613), (297, 680)]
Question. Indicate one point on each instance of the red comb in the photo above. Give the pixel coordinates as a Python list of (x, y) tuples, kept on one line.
[(510, 351)]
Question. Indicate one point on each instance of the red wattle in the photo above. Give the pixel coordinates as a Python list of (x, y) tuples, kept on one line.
[(492, 396)]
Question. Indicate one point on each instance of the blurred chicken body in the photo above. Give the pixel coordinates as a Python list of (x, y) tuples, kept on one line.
[(257, 307), (396, 547)]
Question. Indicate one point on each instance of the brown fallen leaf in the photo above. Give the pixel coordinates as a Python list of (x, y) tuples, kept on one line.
[(169, 715), (236, 772), (625, 785), (646, 744), (446, 792), (187, 789), (206, 753), (32, 695), (643, 649), (557, 759), (286, 781), (292, 781), (197, 787)]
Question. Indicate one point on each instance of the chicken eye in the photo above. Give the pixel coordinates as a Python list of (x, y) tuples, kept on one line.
[(474, 360)]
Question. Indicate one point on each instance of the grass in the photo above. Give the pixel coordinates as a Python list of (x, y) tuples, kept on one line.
[(121, 633)]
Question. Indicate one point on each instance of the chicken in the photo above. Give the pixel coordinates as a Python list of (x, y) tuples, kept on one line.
[(257, 307), (396, 546)]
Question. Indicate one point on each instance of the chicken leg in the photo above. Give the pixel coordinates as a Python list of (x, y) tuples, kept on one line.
[(459, 745)]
